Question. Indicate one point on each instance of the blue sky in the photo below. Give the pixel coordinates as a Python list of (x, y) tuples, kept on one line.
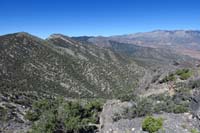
[(97, 17)]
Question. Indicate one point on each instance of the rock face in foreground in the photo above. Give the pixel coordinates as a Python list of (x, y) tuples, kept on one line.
[(196, 106), (173, 123), (12, 113)]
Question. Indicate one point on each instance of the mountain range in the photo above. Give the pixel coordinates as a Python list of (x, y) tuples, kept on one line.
[(92, 66), (185, 42), (99, 84)]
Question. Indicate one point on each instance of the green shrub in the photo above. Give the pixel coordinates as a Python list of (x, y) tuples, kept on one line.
[(184, 73), (124, 98), (5, 117), (194, 131), (151, 124), (127, 97), (143, 107), (64, 116), (3, 114), (178, 103), (39, 107), (93, 105), (180, 109), (170, 106), (46, 124), (32, 116), (185, 76), (158, 108)]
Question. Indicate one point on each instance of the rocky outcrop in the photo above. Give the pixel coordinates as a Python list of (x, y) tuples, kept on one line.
[(12, 115), (195, 106)]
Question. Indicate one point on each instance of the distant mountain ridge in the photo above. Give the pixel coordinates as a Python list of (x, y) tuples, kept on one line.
[(186, 42)]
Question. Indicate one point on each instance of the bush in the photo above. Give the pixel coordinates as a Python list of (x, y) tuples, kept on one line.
[(3, 114), (94, 105), (144, 106), (180, 109), (147, 106), (158, 108), (178, 103), (32, 116), (151, 124), (64, 116), (172, 105), (39, 107), (185, 76), (46, 124), (184, 73), (127, 97), (194, 131)]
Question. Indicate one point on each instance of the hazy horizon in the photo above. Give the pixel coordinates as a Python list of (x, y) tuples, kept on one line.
[(102, 35), (97, 17)]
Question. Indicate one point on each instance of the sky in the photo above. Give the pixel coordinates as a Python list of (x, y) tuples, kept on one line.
[(97, 17)]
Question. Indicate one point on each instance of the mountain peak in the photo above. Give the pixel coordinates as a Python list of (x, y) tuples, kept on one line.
[(18, 34), (64, 38), (57, 35), (21, 35)]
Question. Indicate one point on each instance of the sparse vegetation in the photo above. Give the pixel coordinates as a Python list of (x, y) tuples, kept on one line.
[(35, 72), (175, 104), (170, 77), (144, 107), (194, 83), (180, 109), (183, 74), (62, 116), (127, 97), (4, 117), (158, 104)]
